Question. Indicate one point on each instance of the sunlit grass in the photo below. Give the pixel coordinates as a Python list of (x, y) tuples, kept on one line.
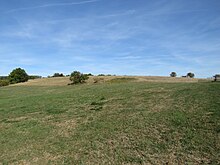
[(112, 123)]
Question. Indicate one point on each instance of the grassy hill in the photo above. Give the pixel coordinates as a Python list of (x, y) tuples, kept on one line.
[(62, 81), (123, 121)]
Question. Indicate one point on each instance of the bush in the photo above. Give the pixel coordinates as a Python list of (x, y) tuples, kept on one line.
[(89, 74), (3, 77), (4, 83), (18, 75), (217, 77), (78, 78), (191, 75), (34, 77), (101, 75), (58, 75), (173, 74)]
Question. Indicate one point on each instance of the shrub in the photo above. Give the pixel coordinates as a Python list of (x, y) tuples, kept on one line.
[(18, 75), (191, 75), (78, 78), (4, 83), (34, 77), (173, 74), (217, 77), (89, 74), (58, 75), (3, 77)]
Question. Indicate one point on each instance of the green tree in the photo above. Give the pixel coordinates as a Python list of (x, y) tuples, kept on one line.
[(191, 75), (217, 77), (173, 74), (77, 78), (4, 83), (58, 75), (18, 75)]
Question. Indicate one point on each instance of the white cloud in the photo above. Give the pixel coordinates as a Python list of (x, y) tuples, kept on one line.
[(51, 5)]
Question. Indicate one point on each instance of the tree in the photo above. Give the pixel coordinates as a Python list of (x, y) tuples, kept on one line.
[(173, 74), (18, 75), (217, 77), (191, 75), (89, 74), (77, 78), (4, 83), (34, 77), (58, 75)]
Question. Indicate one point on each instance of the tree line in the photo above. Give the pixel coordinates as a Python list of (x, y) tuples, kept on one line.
[(190, 75), (19, 75)]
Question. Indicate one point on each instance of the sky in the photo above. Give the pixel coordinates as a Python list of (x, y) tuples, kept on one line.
[(122, 37)]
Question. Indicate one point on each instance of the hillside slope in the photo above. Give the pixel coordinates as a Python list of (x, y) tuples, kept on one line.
[(62, 81), (111, 123)]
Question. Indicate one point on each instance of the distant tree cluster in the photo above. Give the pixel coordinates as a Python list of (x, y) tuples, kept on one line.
[(58, 75), (106, 75), (89, 74), (101, 75), (217, 77), (3, 77), (34, 77), (190, 75), (173, 74)]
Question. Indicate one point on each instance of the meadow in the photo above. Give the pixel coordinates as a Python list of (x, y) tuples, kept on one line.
[(121, 121)]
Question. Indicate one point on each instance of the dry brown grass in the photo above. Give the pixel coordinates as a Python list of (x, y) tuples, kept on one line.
[(165, 79), (56, 81), (63, 81)]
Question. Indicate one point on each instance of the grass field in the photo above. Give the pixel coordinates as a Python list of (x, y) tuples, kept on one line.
[(63, 81), (121, 122)]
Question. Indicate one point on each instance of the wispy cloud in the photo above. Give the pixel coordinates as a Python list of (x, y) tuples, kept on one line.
[(151, 39), (51, 5), (128, 57), (169, 12), (129, 12), (104, 16)]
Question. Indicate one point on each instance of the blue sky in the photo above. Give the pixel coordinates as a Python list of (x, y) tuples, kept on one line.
[(124, 37)]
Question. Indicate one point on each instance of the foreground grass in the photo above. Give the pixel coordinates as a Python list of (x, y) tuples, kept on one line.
[(114, 123)]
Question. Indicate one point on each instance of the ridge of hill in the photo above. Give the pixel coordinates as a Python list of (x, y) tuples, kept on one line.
[(62, 81)]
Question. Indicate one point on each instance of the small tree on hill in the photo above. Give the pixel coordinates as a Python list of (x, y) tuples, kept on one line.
[(4, 83), (18, 75), (77, 78), (191, 75), (58, 75), (216, 77), (173, 74)]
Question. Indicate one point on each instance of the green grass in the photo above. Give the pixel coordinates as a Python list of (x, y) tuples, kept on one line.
[(113, 123)]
